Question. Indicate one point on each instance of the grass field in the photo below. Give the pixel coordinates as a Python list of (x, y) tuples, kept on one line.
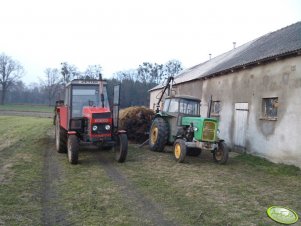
[(24, 107), (39, 187)]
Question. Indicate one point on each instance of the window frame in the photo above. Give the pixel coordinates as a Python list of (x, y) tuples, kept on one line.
[(213, 112), (268, 105)]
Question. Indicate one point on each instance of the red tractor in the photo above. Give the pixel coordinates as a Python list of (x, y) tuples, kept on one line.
[(84, 117)]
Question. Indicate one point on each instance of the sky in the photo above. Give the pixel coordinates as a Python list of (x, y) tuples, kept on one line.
[(122, 34)]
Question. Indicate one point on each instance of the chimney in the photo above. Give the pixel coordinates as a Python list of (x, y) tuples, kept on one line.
[(209, 56), (234, 45)]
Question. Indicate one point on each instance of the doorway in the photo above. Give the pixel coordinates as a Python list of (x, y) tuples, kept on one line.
[(240, 126)]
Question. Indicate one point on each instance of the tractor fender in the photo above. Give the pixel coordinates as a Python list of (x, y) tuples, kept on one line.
[(158, 115), (226, 146)]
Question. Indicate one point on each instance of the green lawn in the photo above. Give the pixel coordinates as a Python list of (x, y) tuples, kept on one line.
[(200, 192), (39, 187), (22, 140), (25, 107)]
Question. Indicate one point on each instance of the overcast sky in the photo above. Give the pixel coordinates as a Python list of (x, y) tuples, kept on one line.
[(121, 34)]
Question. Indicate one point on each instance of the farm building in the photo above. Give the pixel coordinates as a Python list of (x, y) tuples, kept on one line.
[(256, 92)]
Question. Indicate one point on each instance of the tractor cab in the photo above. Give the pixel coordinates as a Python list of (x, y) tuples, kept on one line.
[(91, 95), (85, 117), (183, 105), (175, 109)]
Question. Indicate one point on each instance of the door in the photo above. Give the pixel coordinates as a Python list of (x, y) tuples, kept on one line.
[(240, 125)]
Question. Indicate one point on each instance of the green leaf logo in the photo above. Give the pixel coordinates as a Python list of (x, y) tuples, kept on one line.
[(282, 215)]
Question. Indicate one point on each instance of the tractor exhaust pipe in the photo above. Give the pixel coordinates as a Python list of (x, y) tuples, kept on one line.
[(167, 87), (209, 107)]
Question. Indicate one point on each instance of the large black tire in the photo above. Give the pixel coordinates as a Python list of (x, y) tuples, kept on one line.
[(121, 147), (193, 151), (158, 135), (73, 149), (221, 154), (179, 149), (60, 137)]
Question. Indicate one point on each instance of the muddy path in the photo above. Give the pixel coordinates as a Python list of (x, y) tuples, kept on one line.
[(145, 208), (52, 174)]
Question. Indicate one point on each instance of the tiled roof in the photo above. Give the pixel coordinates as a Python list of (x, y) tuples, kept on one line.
[(278, 43)]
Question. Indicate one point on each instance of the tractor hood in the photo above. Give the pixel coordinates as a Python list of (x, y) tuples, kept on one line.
[(205, 128), (88, 111)]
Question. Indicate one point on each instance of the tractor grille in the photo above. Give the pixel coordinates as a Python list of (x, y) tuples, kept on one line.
[(101, 129), (209, 131), (102, 115)]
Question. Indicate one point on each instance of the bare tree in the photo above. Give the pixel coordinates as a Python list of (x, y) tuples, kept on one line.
[(51, 83), (126, 75), (173, 67), (69, 72), (10, 72), (150, 73), (92, 72)]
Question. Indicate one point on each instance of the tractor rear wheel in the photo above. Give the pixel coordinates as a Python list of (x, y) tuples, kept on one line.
[(194, 151), (179, 150), (158, 135), (121, 147), (221, 154), (60, 137), (73, 149)]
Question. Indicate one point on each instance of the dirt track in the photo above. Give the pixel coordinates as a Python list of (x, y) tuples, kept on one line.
[(26, 113), (146, 208), (52, 213)]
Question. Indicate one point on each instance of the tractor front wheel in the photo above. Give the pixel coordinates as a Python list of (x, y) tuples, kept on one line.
[(60, 137), (73, 149), (221, 154), (158, 135), (179, 150), (121, 147)]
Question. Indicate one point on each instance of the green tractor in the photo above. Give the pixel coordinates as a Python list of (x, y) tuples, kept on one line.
[(180, 124)]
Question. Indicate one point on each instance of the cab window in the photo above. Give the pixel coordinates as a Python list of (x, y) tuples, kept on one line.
[(174, 105), (189, 107), (166, 105), (87, 96), (67, 96)]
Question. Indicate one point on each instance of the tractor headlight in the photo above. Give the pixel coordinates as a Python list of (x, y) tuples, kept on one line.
[(107, 127), (195, 129), (94, 128)]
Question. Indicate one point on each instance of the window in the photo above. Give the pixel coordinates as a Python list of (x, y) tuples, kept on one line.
[(215, 108), (189, 107), (269, 108), (174, 105), (87, 96), (166, 105)]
